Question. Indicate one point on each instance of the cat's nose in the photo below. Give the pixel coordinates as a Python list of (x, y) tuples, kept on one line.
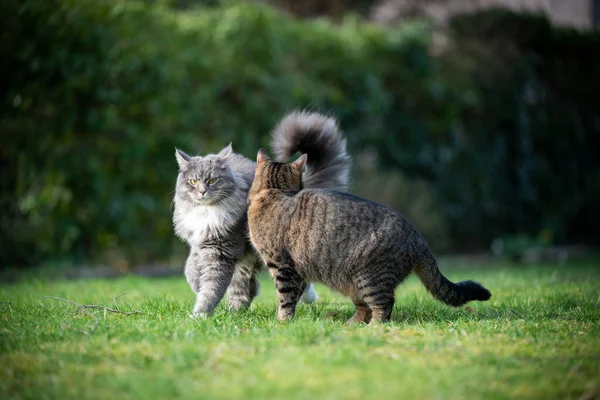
[(202, 192)]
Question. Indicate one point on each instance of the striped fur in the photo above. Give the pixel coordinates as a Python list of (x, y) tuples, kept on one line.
[(357, 247), (212, 218)]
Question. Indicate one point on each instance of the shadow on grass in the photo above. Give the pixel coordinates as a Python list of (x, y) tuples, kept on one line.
[(561, 309)]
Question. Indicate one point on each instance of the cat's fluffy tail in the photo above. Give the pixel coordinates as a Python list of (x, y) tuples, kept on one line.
[(328, 164), (453, 294)]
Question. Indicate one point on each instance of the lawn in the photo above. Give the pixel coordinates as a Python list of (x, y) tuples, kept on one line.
[(538, 337)]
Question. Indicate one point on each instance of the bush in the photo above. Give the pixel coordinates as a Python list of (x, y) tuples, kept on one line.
[(413, 197), (535, 117), (511, 135), (101, 92), (502, 128), (97, 94)]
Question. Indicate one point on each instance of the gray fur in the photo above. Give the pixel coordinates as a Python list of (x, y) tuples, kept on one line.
[(212, 219), (320, 137), (358, 247)]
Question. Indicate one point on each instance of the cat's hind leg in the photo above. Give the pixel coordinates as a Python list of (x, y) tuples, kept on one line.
[(378, 294), (381, 306), (244, 286), (363, 313), (382, 313), (289, 285)]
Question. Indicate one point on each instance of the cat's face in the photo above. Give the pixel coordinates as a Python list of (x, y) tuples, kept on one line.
[(274, 175), (205, 180)]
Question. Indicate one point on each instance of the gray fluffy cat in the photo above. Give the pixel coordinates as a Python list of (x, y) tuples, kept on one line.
[(211, 208)]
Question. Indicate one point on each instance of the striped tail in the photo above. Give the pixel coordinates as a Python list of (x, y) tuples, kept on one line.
[(328, 164), (453, 294)]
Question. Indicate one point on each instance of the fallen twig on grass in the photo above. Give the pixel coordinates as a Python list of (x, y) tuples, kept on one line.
[(516, 313), (115, 300), (97, 306), (96, 321), (85, 307)]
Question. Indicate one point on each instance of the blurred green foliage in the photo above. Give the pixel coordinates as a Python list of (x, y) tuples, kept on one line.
[(501, 128), (526, 155), (507, 130)]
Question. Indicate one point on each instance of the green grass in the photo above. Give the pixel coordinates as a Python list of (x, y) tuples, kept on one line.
[(538, 337)]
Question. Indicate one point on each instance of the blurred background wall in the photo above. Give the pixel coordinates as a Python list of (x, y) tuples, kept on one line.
[(575, 13), (477, 122)]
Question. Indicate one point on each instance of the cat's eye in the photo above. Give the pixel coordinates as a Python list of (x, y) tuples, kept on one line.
[(212, 181), (193, 182)]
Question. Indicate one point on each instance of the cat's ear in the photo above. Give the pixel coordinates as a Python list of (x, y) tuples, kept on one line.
[(226, 151), (262, 156), (299, 163), (182, 159)]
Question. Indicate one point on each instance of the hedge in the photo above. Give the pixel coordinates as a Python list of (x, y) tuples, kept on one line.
[(100, 92)]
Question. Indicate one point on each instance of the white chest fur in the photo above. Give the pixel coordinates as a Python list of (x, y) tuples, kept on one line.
[(194, 224)]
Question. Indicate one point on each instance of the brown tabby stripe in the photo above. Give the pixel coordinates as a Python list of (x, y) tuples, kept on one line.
[(361, 248)]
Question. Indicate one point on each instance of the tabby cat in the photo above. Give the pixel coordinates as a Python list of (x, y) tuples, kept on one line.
[(211, 207), (360, 248)]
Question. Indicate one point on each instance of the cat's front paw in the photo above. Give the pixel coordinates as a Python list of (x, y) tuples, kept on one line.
[(200, 315)]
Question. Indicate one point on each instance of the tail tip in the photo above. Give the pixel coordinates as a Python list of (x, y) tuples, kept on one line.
[(476, 291)]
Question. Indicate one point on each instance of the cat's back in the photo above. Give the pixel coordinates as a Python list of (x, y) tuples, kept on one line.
[(344, 203), (339, 214), (333, 234)]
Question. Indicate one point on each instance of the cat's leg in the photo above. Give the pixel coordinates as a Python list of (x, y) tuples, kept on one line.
[(377, 292), (192, 271), (289, 287), (363, 313), (209, 271), (244, 285), (381, 306)]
